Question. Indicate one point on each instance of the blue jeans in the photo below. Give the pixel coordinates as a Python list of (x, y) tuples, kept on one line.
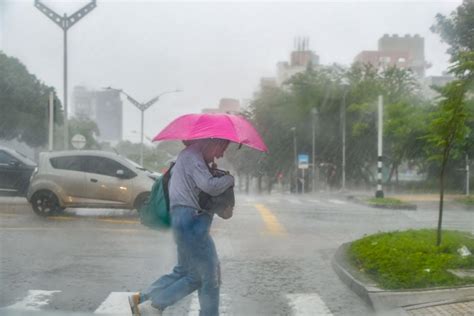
[(198, 265)]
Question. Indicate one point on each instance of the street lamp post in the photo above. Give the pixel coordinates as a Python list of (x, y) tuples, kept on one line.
[(293, 129), (65, 23), (142, 107), (466, 138), (345, 85), (467, 174), (314, 112)]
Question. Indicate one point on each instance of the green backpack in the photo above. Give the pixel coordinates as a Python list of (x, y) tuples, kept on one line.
[(155, 212)]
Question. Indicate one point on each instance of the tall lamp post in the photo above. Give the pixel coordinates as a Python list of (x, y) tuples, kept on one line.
[(142, 107), (314, 112), (65, 22), (467, 166), (345, 85), (293, 129)]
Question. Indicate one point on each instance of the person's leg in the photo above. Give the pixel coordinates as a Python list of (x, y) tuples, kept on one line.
[(163, 282), (182, 221), (209, 270)]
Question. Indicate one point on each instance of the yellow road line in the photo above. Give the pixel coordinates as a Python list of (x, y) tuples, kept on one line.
[(271, 222), (4, 229), (107, 220), (8, 214), (62, 218), (118, 221)]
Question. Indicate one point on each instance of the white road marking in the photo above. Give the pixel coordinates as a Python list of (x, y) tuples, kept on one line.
[(295, 201), (33, 301), (337, 202), (223, 306), (99, 212), (308, 305), (115, 304)]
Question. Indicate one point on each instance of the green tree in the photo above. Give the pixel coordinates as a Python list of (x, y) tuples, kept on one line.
[(450, 123), (86, 127), (24, 103), (447, 128), (457, 30)]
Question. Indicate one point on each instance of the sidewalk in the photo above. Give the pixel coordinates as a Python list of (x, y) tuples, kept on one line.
[(426, 197), (463, 308)]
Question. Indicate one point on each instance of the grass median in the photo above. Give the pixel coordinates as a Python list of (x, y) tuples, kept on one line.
[(411, 260), (468, 200)]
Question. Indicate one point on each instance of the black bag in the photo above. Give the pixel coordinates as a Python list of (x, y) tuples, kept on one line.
[(222, 204)]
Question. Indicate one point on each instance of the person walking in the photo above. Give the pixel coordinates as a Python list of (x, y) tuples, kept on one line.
[(198, 265)]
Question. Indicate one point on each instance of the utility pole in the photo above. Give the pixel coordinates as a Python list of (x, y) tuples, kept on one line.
[(65, 22), (142, 107), (343, 130), (467, 174), (379, 192), (51, 121)]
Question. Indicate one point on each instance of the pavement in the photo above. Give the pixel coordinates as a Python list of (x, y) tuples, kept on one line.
[(257, 264), (456, 308), (463, 308)]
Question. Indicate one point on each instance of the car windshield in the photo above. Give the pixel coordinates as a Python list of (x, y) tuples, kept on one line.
[(25, 158), (235, 157), (134, 164)]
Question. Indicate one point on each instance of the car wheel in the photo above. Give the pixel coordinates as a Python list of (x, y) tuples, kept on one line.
[(140, 200), (45, 203)]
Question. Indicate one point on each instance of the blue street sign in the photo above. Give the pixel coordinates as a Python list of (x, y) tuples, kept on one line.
[(303, 161)]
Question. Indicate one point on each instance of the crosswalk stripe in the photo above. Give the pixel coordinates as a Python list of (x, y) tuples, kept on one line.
[(115, 304), (34, 300), (337, 202), (308, 305), (194, 306)]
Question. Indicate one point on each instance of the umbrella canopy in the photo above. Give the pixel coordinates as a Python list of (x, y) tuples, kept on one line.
[(226, 126)]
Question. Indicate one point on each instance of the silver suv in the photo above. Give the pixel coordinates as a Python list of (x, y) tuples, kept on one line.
[(90, 179)]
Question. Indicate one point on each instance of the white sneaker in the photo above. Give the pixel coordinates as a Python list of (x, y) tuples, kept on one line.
[(147, 310)]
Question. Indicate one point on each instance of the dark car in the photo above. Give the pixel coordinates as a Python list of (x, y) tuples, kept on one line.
[(15, 172)]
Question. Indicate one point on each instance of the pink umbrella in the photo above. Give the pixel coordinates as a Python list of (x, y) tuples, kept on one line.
[(226, 126)]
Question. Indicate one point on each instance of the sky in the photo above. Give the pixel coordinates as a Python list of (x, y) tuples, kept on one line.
[(209, 50)]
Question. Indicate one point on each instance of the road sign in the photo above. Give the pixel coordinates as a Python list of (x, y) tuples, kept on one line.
[(303, 161), (78, 141)]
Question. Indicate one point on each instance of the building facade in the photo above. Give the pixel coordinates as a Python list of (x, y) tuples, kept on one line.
[(103, 107), (226, 105), (407, 52)]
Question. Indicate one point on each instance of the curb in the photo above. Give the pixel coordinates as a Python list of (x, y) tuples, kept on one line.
[(404, 206), (384, 300)]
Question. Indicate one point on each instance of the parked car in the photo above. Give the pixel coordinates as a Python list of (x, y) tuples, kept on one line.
[(87, 179), (15, 172)]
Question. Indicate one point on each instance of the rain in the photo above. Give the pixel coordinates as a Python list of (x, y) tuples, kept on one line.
[(348, 171)]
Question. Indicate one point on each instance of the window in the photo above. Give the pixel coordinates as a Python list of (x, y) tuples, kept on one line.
[(103, 166), (5, 158), (67, 163)]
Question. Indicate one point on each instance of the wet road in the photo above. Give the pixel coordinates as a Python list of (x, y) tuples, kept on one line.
[(275, 254)]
